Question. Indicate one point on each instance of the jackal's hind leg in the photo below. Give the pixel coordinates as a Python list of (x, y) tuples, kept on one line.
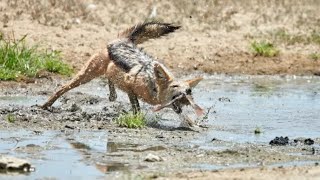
[(112, 91), (134, 103), (95, 67)]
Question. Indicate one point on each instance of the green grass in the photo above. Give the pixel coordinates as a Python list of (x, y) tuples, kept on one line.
[(11, 118), (131, 120), (18, 59), (315, 37), (264, 48), (257, 131), (315, 56), (282, 36)]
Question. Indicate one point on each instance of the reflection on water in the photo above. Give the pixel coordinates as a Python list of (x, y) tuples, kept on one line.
[(118, 147), (279, 106)]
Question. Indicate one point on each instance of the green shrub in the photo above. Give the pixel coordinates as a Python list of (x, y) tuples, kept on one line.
[(257, 131), (315, 56), (264, 48), (131, 120), (17, 59), (10, 118)]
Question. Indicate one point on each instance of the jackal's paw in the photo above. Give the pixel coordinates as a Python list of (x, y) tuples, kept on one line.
[(44, 107)]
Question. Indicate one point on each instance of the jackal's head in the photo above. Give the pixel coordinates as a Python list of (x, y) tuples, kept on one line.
[(173, 93)]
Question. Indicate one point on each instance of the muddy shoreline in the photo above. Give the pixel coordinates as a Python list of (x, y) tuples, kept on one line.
[(79, 134), (82, 122)]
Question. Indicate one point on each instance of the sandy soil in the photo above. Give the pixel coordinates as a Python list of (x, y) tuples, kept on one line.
[(215, 35), (215, 38), (308, 172)]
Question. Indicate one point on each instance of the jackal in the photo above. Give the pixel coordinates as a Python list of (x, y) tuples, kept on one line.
[(133, 71)]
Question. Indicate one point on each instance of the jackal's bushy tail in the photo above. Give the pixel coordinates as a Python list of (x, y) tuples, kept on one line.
[(147, 30)]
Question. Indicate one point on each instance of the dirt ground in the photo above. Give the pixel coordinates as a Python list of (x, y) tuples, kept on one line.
[(215, 38), (256, 173), (215, 35), (80, 114)]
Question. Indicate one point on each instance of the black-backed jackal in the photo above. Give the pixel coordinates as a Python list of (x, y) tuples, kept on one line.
[(133, 71)]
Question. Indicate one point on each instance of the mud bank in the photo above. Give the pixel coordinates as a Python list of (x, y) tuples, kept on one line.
[(79, 134)]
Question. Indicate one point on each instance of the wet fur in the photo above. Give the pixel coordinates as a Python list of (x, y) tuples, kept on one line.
[(130, 69)]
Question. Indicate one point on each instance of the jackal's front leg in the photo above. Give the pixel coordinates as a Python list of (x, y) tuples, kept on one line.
[(95, 67), (134, 103), (112, 91)]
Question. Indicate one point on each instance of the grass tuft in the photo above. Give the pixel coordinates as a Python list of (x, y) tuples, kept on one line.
[(283, 36), (17, 59), (315, 56), (264, 48), (11, 118), (131, 120), (257, 131)]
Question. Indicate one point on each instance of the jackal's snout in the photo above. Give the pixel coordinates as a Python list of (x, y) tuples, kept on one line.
[(179, 94)]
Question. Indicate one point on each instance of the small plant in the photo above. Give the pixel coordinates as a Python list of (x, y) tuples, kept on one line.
[(283, 36), (257, 131), (315, 37), (17, 59), (131, 120), (11, 118), (315, 56), (264, 48)]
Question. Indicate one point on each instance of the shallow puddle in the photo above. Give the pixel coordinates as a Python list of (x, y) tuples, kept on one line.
[(118, 147), (49, 152), (277, 106)]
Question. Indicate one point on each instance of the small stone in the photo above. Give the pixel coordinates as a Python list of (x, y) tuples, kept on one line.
[(152, 158), (160, 136), (76, 21), (308, 141), (279, 141), (224, 99), (74, 108), (8, 163), (91, 7)]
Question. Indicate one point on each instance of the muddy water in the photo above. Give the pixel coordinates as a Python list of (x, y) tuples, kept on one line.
[(52, 155), (277, 106)]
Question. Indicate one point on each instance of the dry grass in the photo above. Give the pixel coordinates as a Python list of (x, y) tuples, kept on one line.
[(228, 15)]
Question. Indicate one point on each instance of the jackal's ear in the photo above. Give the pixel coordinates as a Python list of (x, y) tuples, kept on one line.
[(193, 82), (162, 76)]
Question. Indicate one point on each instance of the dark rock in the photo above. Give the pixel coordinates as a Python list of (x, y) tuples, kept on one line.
[(159, 136), (305, 141), (73, 108), (308, 141), (224, 99), (279, 141), (69, 127)]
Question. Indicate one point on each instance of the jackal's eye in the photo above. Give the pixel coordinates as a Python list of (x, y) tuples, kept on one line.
[(188, 91), (174, 86)]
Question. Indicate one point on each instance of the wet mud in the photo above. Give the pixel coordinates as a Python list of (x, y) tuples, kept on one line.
[(79, 132)]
